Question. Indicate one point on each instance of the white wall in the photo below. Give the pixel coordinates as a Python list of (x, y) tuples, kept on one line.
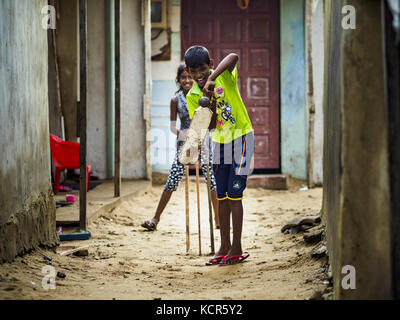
[(318, 77), (133, 129), (97, 91)]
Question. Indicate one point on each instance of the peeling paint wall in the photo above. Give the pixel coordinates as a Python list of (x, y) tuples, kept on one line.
[(133, 127), (318, 76), (27, 211), (293, 90), (315, 88), (97, 90)]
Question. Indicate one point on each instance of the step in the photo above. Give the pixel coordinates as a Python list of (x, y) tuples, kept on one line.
[(266, 181)]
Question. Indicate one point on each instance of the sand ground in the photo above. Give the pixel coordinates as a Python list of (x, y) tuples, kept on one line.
[(127, 262)]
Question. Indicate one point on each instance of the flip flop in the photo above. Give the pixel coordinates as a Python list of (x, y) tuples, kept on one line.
[(215, 260), (240, 258), (149, 225), (64, 188), (63, 203)]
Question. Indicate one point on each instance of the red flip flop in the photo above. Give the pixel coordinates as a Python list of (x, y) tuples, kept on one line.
[(215, 260), (240, 258), (64, 188)]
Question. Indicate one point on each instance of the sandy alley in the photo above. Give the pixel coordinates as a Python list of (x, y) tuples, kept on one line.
[(127, 262)]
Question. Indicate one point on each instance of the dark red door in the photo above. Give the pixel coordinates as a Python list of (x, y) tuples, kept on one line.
[(253, 34)]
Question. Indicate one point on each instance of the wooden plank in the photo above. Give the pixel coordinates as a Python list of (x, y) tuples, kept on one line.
[(117, 145), (67, 223), (198, 204), (187, 208), (210, 209), (82, 112)]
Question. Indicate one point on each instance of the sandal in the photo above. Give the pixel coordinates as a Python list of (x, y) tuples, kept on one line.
[(149, 225), (64, 188), (215, 260), (239, 258)]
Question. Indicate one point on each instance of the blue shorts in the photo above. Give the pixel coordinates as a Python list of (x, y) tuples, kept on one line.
[(232, 165)]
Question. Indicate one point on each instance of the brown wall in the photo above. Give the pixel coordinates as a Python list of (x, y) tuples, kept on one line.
[(393, 114), (356, 174)]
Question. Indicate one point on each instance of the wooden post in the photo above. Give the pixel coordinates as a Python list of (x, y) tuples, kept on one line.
[(117, 145), (198, 204), (82, 112), (209, 200), (187, 208)]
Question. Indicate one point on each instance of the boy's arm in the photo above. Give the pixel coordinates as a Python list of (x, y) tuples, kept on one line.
[(213, 108), (228, 63)]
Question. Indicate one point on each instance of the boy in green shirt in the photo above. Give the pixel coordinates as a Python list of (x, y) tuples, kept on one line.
[(233, 139)]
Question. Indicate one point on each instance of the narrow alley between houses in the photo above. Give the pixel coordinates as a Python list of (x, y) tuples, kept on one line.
[(126, 262), (290, 109)]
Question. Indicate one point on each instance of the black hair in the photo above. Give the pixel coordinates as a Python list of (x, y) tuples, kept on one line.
[(196, 56), (181, 68)]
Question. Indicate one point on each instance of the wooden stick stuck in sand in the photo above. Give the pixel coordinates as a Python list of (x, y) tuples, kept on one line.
[(198, 204), (209, 200), (187, 208)]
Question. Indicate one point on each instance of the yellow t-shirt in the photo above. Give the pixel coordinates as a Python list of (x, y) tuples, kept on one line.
[(232, 118)]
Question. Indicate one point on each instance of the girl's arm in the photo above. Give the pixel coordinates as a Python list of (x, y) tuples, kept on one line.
[(173, 115)]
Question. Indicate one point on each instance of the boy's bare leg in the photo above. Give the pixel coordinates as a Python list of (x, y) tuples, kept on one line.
[(165, 197), (237, 224), (215, 206), (225, 226)]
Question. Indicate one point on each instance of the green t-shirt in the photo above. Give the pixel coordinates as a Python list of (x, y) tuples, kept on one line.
[(232, 118)]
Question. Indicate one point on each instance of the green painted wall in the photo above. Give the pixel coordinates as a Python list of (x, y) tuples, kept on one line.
[(293, 90)]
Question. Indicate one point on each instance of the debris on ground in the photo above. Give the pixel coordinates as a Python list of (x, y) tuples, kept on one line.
[(76, 251), (314, 236), (48, 258), (300, 224), (316, 296), (319, 251)]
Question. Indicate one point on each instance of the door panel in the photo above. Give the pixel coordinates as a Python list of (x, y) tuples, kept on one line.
[(253, 34)]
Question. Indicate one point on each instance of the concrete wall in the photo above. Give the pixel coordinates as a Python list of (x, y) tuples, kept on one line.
[(356, 179), (27, 211), (293, 90), (133, 128), (317, 39), (393, 106), (97, 91), (332, 131), (67, 55)]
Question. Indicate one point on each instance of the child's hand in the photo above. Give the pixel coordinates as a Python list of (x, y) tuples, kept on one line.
[(182, 135), (208, 89), (213, 104)]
